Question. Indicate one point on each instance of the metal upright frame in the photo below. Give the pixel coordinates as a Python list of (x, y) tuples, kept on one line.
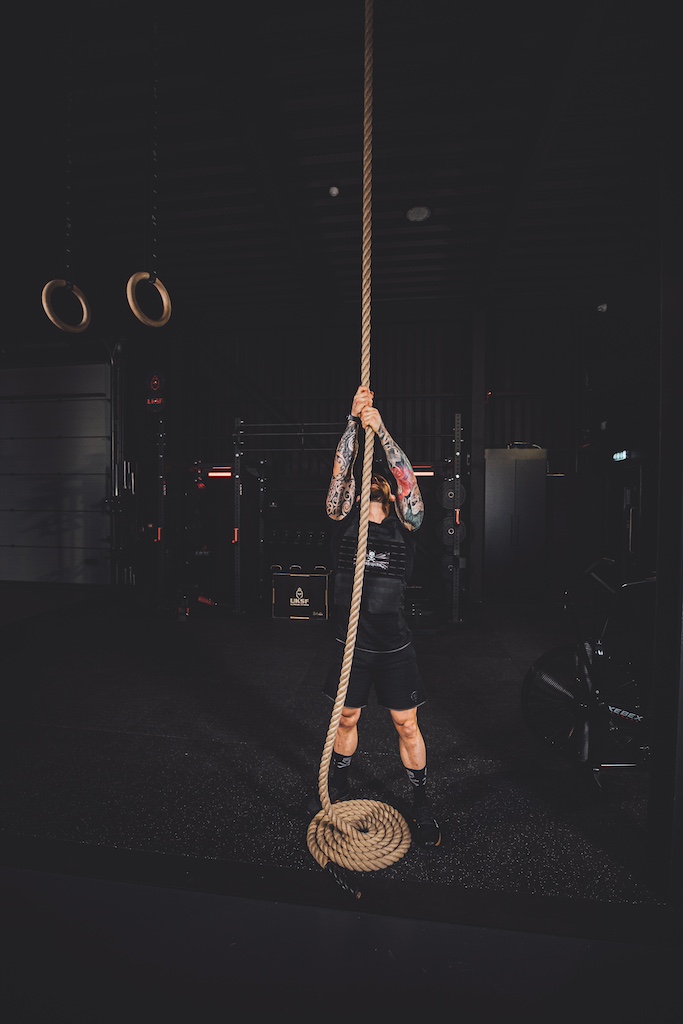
[(243, 432), (456, 582), (300, 432)]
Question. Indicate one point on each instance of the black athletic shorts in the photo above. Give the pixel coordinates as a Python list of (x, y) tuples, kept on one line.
[(394, 675)]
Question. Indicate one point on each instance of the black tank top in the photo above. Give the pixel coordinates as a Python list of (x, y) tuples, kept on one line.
[(389, 562)]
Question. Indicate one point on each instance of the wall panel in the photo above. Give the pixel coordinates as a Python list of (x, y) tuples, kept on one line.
[(55, 474)]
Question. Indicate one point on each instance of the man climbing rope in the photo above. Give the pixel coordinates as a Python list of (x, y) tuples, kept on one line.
[(384, 656)]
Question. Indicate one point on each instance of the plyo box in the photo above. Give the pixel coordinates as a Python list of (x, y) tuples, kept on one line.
[(300, 595)]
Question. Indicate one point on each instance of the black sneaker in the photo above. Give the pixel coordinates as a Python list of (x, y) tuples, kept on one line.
[(336, 795), (427, 831)]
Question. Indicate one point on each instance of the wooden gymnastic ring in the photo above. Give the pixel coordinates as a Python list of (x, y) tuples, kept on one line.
[(47, 306), (133, 280)]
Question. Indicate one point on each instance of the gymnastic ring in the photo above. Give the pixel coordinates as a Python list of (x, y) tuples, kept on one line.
[(133, 280), (47, 306)]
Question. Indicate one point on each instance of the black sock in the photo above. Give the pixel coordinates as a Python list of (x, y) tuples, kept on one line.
[(339, 771), (418, 781)]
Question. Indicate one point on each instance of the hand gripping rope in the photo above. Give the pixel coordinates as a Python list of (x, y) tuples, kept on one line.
[(359, 835)]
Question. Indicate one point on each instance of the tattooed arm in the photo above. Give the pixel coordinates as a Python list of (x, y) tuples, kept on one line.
[(342, 489), (409, 503)]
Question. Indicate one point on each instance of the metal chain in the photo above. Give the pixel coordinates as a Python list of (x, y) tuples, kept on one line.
[(154, 174), (68, 164)]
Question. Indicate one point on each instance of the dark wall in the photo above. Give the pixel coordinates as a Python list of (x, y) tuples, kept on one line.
[(581, 384)]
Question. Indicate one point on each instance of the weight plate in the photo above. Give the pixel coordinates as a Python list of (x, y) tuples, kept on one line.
[(452, 494), (448, 531)]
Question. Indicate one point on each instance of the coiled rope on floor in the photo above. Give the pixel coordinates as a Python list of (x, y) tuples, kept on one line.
[(360, 835)]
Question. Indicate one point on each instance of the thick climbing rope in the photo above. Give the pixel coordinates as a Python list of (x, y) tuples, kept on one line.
[(359, 835)]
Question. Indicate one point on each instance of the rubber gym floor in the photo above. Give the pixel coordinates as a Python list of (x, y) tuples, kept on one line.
[(153, 824)]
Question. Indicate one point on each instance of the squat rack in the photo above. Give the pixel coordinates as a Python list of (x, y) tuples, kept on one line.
[(298, 438), (244, 433)]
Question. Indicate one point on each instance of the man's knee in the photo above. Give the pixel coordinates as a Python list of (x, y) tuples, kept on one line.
[(349, 718), (406, 724)]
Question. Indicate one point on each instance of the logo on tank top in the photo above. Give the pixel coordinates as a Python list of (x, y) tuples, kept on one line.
[(377, 560)]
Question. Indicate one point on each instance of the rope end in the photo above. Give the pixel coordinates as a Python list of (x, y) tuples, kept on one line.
[(336, 873)]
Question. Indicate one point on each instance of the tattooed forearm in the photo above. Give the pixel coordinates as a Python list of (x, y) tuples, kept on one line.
[(391, 449), (409, 503), (342, 489), (340, 498)]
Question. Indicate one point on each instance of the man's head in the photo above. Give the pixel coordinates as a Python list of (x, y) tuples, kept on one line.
[(381, 491)]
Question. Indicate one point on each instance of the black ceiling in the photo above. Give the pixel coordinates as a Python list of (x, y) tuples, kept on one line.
[(202, 142)]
